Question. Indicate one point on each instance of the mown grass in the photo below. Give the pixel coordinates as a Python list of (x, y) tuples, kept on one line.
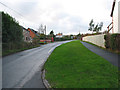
[(110, 50), (72, 65)]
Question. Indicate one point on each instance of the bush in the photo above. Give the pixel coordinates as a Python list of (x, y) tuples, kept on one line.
[(11, 30), (12, 36), (107, 41), (112, 41)]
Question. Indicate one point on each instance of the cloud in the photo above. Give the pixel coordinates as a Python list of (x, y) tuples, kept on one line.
[(66, 16)]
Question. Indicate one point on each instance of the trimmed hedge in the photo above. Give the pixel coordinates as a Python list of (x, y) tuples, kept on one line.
[(62, 39), (112, 41)]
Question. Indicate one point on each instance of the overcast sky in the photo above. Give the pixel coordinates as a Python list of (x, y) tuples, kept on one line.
[(65, 16)]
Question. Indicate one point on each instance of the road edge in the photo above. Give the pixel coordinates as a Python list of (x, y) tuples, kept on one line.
[(45, 82)]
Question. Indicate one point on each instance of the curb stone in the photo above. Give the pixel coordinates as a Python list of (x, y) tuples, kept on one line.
[(45, 82)]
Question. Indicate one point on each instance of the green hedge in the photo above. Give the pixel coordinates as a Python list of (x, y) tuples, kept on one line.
[(61, 39), (12, 36), (112, 41)]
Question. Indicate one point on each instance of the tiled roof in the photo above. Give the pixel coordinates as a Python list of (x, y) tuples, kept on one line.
[(35, 32)]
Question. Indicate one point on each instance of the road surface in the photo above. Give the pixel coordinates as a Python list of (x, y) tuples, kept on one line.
[(23, 69)]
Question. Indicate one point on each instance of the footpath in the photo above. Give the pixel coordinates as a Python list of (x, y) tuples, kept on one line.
[(109, 56)]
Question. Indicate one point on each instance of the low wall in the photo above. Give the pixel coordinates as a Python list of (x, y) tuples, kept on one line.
[(96, 39)]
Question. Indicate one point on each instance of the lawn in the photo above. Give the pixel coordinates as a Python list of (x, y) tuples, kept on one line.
[(72, 65)]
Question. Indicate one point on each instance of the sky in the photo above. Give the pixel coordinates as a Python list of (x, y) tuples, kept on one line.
[(61, 16)]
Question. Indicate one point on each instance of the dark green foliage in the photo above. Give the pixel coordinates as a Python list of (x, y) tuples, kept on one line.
[(107, 41), (42, 36), (9, 48), (112, 41), (91, 24), (95, 28), (12, 36), (52, 33), (63, 39), (11, 30), (113, 44)]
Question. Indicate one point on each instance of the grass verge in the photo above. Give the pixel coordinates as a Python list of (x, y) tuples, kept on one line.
[(110, 50), (8, 52), (72, 65)]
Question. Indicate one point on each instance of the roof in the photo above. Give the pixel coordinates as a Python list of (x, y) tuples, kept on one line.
[(59, 34), (25, 29), (35, 32), (113, 6)]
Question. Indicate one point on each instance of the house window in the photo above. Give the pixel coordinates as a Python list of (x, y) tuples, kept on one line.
[(26, 38)]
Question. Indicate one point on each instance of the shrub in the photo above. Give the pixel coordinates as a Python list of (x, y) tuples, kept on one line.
[(107, 41), (113, 44), (112, 41)]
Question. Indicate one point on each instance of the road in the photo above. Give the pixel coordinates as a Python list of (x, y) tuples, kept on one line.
[(23, 69)]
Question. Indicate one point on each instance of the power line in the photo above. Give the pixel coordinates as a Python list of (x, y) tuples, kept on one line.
[(14, 11), (11, 9)]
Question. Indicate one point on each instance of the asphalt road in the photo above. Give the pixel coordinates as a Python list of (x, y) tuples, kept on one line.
[(23, 69)]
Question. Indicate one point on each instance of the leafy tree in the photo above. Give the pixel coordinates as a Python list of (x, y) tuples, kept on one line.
[(91, 24), (100, 26), (95, 28), (42, 36), (79, 34), (51, 32)]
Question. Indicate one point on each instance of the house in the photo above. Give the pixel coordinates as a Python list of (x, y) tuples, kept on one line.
[(33, 33), (26, 35), (114, 26), (59, 35)]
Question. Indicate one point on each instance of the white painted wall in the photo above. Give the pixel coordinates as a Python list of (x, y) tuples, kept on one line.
[(115, 17), (96, 39), (119, 16)]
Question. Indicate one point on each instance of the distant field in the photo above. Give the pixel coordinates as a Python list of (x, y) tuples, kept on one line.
[(72, 65)]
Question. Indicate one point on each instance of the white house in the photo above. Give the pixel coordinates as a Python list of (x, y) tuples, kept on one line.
[(115, 14), (59, 35)]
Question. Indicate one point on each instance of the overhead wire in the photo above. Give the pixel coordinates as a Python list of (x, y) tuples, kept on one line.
[(14, 11)]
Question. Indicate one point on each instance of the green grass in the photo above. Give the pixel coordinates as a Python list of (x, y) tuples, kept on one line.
[(72, 65), (8, 52), (110, 50)]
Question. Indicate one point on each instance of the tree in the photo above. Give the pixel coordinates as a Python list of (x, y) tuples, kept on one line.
[(91, 24), (100, 25), (95, 28), (51, 32), (11, 30)]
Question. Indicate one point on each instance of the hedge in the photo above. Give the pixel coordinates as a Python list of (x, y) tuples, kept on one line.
[(112, 41)]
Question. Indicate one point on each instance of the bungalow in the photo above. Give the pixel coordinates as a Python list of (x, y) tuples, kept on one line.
[(33, 33), (115, 14)]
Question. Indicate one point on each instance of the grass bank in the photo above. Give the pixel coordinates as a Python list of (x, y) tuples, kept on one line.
[(8, 52), (72, 65)]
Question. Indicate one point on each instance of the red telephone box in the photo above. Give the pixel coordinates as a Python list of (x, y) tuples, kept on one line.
[(52, 39)]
